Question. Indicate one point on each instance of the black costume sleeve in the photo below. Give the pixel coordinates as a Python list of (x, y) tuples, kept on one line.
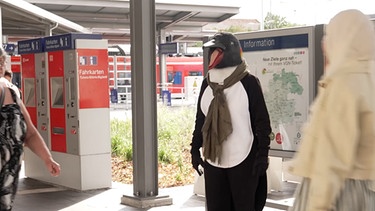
[(260, 121)]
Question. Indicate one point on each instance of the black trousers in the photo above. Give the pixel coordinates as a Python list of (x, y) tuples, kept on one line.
[(236, 188)]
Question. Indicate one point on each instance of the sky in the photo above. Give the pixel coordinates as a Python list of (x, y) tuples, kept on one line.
[(308, 12)]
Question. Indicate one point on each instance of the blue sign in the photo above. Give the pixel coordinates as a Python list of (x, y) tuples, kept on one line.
[(168, 48), (8, 47), (166, 97), (66, 41), (273, 43), (30, 46), (114, 97)]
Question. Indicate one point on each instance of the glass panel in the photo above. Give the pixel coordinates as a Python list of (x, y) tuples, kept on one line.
[(195, 73), (29, 89), (57, 93)]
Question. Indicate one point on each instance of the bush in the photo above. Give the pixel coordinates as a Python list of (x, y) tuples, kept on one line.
[(121, 139), (174, 125)]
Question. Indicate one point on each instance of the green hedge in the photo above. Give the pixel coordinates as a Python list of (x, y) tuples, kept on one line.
[(175, 126)]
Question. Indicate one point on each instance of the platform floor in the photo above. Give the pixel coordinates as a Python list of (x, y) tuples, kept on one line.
[(39, 196), (34, 195)]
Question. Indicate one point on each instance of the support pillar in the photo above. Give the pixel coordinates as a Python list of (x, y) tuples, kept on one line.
[(144, 110)]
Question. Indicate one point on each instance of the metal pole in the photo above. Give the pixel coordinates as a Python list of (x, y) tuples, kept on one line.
[(162, 62), (143, 98), (144, 111)]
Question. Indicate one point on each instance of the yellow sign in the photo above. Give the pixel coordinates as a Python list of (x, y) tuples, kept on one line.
[(195, 83)]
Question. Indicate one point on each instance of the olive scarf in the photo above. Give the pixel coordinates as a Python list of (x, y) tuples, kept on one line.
[(218, 125)]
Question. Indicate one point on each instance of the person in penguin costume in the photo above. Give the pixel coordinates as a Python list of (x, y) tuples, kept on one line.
[(232, 131)]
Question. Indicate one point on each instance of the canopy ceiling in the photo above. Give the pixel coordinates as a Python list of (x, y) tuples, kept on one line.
[(36, 18)]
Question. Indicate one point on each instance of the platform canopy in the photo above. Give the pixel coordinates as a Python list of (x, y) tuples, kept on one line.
[(183, 21)]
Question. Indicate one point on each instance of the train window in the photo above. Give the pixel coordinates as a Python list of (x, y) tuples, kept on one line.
[(124, 75), (121, 75), (120, 82), (123, 82), (121, 89), (170, 77), (195, 73)]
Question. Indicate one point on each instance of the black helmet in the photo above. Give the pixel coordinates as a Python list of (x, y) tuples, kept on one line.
[(230, 46)]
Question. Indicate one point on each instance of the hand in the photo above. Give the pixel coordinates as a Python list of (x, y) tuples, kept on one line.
[(196, 160), (260, 165), (53, 167)]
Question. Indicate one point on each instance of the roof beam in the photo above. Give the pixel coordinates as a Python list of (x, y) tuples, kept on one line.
[(33, 10), (114, 25), (181, 16), (111, 31), (197, 7), (24, 25), (111, 16), (97, 3), (159, 5)]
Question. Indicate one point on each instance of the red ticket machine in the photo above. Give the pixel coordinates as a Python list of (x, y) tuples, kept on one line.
[(57, 105), (34, 74), (29, 50), (79, 111)]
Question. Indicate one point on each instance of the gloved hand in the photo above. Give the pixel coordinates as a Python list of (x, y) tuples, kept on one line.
[(196, 160), (260, 165)]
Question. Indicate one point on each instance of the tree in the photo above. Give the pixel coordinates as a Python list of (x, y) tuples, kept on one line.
[(236, 28), (276, 21)]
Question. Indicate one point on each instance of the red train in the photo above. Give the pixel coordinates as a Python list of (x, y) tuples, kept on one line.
[(177, 68)]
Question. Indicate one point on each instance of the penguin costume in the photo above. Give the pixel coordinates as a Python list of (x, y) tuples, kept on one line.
[(233, 129)]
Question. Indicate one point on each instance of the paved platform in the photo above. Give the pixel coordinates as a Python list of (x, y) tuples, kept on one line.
[(39, 196), (34, 195)]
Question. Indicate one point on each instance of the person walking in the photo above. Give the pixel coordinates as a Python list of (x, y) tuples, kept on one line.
[(17, 131), (336, 157)]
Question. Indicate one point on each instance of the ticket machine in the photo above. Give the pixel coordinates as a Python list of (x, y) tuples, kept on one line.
[(34, 79), (79, 111), (31, 52)]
